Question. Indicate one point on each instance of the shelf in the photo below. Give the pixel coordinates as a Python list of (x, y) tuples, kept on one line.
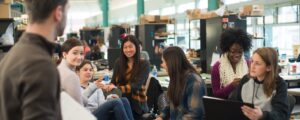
[(160, 38), (257, 38)]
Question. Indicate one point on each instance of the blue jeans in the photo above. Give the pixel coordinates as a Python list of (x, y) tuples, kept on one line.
[(119, 107)]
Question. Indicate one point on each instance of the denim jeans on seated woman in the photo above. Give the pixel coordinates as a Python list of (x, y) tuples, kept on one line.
[(120, 107)]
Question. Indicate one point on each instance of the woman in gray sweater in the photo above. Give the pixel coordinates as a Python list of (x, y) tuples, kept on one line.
[(264, 88)]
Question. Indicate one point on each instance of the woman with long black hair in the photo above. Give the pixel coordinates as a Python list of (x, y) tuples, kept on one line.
[(130, 74)]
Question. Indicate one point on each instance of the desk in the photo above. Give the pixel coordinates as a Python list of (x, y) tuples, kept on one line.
[(164, 80), (294, 91), (163, 73), (291, 78)]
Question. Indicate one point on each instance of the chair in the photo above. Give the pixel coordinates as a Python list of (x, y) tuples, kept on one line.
[(291, 102), (153, 92)]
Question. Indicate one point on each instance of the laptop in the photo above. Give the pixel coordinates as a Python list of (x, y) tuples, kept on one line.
[(221, 109)]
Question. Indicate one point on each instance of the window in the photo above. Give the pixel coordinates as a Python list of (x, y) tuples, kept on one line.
[(203, 4), (168, 11), (249, 20), (182, 8), (268, 20), (122, 20), (170, 27), (131, 19), (287, 14), (286, 36), (227, 2), (153, 12), (180, 26)]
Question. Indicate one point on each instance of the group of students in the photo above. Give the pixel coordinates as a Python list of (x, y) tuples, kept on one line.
[(31, 84), (129, 75), (233, 77)]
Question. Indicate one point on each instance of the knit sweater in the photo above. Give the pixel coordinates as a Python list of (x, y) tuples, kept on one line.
[(216, 82)]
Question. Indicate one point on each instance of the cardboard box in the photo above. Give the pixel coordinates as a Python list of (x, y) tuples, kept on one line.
[(193, 13), (8, 1), (5, 11), (208, 15), (296, 50), (254, 10), (154, 19)]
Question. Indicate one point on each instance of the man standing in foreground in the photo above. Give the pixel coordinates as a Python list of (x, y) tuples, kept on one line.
[(29, 80)]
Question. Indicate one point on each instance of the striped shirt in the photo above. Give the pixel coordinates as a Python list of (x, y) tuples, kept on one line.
[(134, 91)]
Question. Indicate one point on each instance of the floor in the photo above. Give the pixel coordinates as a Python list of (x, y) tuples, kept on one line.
[(296, 111)]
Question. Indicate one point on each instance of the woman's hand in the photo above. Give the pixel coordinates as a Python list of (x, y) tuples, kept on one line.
[(252, 113), (99, 83), (158, 118), (236, 81), (108, 88)]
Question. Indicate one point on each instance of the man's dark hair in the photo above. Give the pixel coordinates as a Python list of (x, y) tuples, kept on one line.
[(39, 10), (235, 35)]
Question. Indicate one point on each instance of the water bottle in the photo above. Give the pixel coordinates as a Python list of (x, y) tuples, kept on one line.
[(154, 71), (106, 79)]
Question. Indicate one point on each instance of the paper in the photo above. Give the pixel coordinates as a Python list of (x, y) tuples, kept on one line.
[(72, 110)]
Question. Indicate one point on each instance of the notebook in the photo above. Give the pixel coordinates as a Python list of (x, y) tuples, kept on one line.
[(221, 109)]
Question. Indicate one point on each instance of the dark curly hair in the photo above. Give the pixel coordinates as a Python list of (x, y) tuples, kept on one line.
[(235, 35)]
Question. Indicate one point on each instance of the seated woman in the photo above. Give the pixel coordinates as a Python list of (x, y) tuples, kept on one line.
[(72, 51), (232, 66), (96, 102), (264, 88), (130, 74), (186, 87)]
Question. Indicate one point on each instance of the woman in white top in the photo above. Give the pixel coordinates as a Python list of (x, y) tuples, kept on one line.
[(72, 51), (97, 103)]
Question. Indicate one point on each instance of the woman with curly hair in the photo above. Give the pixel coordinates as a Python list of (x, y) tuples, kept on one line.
[(232, 66)]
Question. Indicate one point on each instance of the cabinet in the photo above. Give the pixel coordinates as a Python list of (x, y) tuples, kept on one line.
[(89, 35), (153, 37), (257, 31)]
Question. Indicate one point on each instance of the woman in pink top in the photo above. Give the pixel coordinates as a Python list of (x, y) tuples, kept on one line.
[(232, 66)]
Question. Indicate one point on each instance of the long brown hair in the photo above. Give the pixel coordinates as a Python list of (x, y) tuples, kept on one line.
[(178, 68), (270, 57)]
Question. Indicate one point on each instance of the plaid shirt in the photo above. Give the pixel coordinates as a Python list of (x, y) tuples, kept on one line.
[(134, 91)]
